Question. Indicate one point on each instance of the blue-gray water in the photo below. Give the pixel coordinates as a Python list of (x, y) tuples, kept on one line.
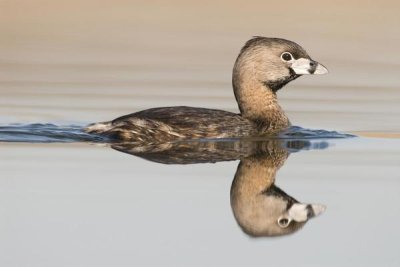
[(72, 199), (69, 202)]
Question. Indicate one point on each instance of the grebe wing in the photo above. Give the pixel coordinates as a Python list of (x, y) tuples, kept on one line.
[(182, 116)]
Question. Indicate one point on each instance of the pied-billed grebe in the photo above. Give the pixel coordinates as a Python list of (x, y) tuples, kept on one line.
[(264, 66)]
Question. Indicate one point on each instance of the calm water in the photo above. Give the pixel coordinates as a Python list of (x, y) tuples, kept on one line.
[(70, 199)]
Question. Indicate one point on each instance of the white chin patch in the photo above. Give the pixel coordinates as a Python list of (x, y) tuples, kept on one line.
[(301, 66), (298, 212)]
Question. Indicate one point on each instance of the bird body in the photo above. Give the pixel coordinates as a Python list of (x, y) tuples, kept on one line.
[(171, 123), (264, 66)]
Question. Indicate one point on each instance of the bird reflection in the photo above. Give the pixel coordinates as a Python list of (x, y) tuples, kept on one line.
[(259, 206)]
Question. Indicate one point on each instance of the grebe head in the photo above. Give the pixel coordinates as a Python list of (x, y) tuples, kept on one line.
[(274, 62), (264, 66)]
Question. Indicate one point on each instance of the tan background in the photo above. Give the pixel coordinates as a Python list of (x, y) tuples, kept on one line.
[(84, 61)]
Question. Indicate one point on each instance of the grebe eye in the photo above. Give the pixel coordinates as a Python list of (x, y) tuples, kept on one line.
[(286, 56), (283, 222)]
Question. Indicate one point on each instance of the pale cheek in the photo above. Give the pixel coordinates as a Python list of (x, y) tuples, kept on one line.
[(277, 73)]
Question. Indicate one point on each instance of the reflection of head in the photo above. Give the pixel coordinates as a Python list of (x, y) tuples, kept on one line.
[(273, 213), (261, 208)]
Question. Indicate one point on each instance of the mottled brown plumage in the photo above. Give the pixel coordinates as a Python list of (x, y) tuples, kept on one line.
[(171, 123), (259, 72)]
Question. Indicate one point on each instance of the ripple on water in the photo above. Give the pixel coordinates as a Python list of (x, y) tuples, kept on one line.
[(46, 133), (51, 133)]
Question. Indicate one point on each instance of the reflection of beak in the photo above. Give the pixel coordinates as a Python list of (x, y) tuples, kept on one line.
[(302, 212), (308, 66)]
